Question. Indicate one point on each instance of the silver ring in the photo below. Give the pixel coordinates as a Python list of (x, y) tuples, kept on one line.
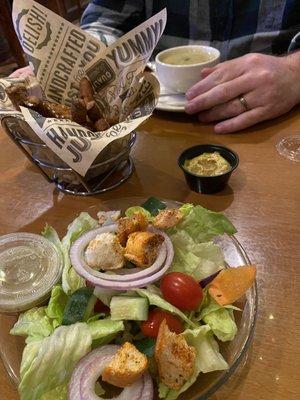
[(244, 103)]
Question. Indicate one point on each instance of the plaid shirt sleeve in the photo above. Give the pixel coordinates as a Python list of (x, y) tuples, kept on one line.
[(109, 19), (234, 27)]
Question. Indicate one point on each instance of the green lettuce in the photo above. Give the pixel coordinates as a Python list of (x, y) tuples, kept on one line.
[(39, 322), (50, 233), (98, 389), (34, 324), (222, 324), (156, 300), (194, 252), (105, 295), (208, 356), (132, 210), (103, 328), (208, 359), (56, 305), (203, 225), (49, 363), (198, 260), (71, 281), (59, 393), (219, 319), (96, 317)]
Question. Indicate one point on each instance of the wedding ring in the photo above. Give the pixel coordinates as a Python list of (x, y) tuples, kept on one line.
[(244, 103)]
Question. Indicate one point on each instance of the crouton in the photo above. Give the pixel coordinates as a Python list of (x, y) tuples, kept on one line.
[(167, 218), (142, 248), (127, 366), (175, 358), (128, 225)]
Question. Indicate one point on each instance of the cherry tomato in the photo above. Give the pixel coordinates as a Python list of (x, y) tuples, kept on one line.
[(181, 290), (100, 307), (151, 326)]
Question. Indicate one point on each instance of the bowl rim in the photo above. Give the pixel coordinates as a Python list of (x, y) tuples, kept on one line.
[(246, 344), (190, 46), (227, 149)]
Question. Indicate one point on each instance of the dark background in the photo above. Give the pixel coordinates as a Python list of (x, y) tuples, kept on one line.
[(10, 51)]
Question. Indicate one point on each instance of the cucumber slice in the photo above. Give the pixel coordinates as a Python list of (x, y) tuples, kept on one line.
[(129, 308), (79, 306), (153, 205)]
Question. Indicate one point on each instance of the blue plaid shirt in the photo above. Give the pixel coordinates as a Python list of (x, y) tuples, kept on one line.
[(235, 27)]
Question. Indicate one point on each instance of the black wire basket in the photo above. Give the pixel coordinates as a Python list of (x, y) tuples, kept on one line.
[(111, 168)]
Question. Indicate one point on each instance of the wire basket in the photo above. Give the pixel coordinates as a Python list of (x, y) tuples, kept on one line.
[(111, 168)]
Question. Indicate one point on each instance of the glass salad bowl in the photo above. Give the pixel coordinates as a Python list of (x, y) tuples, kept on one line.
[(235, 352)]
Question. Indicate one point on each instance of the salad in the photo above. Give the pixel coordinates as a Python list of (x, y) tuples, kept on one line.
[(143, 300)]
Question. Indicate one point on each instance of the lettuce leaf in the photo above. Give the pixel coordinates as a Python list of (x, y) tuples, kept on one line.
[(203, 225), (105, 295), (104, 328), (219, 319), (208, 359), (131, 210), (156, 300), (222, 324), (71, 281), (96, 317), (40, 322), (50, 233), (198, 259), (34, 323), (208, 356), (49, 363), (59, 393), (186, 209), (56, 305)]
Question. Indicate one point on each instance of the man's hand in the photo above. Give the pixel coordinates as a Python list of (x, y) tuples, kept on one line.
[(22, 72), (270, 86)]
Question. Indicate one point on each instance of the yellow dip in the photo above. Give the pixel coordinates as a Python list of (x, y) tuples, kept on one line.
[(209, 164)]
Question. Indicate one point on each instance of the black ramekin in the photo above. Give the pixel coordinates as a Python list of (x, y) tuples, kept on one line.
[(203, 183)]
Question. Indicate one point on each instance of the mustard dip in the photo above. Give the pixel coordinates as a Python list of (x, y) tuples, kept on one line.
[(209, 164)]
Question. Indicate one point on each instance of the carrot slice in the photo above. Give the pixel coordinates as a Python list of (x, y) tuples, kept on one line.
[(231, 283)]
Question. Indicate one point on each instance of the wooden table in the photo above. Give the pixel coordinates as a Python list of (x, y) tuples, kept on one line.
[(262, 201)]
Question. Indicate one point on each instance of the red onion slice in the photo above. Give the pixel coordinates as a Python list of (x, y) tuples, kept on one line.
[(120, 281), (121, 285), (148, 392), (205, 281), (124, 274), (90, 367)]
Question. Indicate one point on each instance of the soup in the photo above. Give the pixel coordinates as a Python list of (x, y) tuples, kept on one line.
[(186, 57)]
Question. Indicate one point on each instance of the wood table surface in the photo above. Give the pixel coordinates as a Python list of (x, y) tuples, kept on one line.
[(262, 201)]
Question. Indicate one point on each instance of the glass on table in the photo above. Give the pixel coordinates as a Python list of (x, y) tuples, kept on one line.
[(289, 147)]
